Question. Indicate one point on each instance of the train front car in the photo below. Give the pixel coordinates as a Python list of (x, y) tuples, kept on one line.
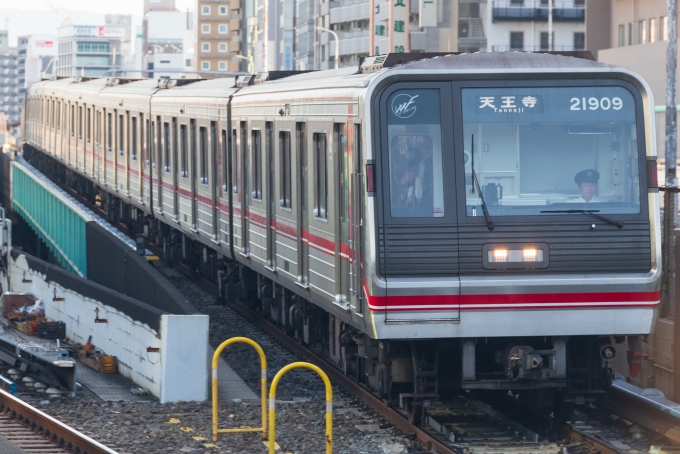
[(517, 241)]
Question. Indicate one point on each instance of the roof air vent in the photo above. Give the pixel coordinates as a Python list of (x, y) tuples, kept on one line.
[(244, 81)]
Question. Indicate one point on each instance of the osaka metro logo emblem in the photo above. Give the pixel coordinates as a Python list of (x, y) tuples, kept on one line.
[(404, 106)]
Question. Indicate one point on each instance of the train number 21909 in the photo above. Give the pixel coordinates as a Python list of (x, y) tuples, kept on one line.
[(595, 104)]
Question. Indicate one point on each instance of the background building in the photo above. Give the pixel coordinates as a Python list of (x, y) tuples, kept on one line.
[(10, 97), (36, 57), (89, 50), (218, 36)]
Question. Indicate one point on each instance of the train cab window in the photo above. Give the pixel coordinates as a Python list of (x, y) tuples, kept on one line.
[(166, 147), (133, 127), (285, 166), (109, 132), (320, 176), (203, 138), (415, 154), (184, 152), (542, 151), (256, 165)]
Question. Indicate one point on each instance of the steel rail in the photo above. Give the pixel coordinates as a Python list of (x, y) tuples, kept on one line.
[(65, 435), (640, 412), (576, 436)]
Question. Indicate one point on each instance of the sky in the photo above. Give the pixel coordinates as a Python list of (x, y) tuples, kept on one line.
[(39, 16)]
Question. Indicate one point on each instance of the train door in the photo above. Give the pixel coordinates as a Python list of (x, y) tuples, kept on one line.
[(302, 214), (418, 211), (342, 174), (356, 219), (194, 176), (175, 167), (271, 196), (245, 191), (163, 160)]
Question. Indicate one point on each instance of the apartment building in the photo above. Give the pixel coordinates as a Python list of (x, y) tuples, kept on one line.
[(218, 36), (522, 25), (10, 98)]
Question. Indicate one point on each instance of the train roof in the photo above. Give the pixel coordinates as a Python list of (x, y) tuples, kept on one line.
[(503, 61), (213, 88)]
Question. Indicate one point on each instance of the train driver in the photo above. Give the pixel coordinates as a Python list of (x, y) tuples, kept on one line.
[(587, 185)]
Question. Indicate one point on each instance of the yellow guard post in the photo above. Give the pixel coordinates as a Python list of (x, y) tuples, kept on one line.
[(329, 405), (263, 362)]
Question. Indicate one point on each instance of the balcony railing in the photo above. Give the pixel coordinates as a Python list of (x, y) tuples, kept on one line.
[(563, 11), (506, 48)]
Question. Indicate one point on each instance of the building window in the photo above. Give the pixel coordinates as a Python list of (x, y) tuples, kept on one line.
[(516, 40), (205, 10), (222, 29), (222, 66), (189, 62), (284, 147), (545, 41), (642, 32), (222, 47), (205, 65), (320, 176), (579, 41), (205, 28), (664, 28), (578, 2), (205, 47), (622, 35), (652, 30), (222, 10)]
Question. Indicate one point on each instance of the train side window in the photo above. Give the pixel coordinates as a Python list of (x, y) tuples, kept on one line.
[(157, 157), (134, 138), (166, 147), (284, 147), (97, 129), (320, 176), (184, 161), (80, 122), (234, 161), (121, 135), (225, 160), (145, 140), (152, 145), (203, 137), (109, 132), (59, 116), (52, 113), (88, 125), (192, 148), (256, 165), (73, 120)]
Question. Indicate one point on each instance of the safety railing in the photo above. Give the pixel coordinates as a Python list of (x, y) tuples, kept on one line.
[(329, 405), (215, 393)]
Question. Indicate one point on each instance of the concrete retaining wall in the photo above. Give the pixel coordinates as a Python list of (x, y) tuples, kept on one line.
[(173, 374)]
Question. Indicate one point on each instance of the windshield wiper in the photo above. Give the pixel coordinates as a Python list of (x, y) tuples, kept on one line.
[(489, 223), (618, 224)]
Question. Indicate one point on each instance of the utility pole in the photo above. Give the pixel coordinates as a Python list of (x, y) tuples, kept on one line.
[(671, 195)]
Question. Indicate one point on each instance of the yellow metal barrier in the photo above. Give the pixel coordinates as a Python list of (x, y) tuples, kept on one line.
[(263, 362), (329, 405)]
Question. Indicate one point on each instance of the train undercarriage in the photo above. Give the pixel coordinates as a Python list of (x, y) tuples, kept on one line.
[(549, 374)]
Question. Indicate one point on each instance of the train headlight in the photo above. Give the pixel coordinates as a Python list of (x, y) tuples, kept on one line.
[(499, 255), (508, 256)]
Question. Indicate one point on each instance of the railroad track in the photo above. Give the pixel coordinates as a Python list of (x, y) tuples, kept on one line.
[(35, 432)]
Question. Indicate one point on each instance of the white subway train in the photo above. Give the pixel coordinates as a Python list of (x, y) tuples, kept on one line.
[(484, 221)]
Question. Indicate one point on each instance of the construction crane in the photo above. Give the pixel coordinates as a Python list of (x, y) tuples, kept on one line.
[(66, 20)]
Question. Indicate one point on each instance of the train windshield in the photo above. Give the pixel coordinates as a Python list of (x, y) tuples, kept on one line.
[(538, 151)]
